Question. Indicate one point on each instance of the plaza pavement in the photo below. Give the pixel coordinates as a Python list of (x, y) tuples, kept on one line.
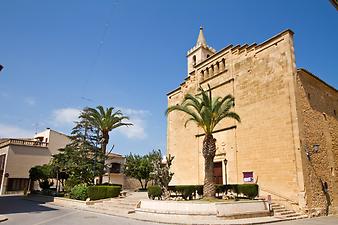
[(20, 211)]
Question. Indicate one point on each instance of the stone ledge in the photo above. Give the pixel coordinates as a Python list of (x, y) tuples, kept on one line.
[(230, 210)]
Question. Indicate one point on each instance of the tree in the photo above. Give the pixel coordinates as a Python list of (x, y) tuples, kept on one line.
[(105, 120), (161, 174), (81, 160), (141, 167), (207, 112), (42, 174)]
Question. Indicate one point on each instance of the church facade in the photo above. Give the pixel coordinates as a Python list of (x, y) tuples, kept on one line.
[(287, 141)]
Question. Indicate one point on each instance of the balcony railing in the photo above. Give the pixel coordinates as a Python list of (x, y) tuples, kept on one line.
[(23, 142)]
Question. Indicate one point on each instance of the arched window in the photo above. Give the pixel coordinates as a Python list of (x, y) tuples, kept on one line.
[(194, 60)]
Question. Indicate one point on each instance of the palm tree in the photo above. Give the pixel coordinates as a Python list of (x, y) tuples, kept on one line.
[(207, 112), (105, 120)]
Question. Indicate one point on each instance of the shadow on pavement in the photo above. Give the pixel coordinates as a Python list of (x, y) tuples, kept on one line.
[(20, 204)]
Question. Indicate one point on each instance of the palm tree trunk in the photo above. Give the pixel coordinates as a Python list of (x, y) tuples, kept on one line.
[(105, 140), (209, 151)]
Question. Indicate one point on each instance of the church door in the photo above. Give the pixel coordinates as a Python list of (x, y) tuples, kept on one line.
[(218, 175)]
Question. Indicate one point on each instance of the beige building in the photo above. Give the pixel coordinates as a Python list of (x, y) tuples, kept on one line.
[(113, 172), (17, 156), (287, 141)]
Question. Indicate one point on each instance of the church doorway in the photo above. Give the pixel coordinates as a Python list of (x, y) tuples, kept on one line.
[(218, 174)]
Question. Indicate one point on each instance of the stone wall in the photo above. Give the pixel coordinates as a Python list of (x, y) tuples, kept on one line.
[(317, 106)]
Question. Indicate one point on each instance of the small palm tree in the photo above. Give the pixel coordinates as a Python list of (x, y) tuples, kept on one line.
[(105, 120), (207, 112)]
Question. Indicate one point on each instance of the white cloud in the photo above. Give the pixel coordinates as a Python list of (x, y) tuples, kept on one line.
[(11, 131), (30, 101), (65, 116), (137, 118), (134, 112), (137, 131)]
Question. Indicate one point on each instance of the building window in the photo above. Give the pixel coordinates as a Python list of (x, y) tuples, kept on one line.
[(194, 60), (17, 184), (316, 148), (334, 112), (115, 168), (248, 176), (2, 162)]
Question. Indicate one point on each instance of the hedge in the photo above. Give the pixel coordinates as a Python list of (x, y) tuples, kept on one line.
[(189, 191), (249, 190), (101, 192), (154, 192), (79, 192)]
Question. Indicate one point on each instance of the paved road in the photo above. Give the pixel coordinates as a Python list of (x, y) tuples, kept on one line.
[(24, 212)]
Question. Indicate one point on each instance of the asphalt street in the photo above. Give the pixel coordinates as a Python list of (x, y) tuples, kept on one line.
[(24, 212)]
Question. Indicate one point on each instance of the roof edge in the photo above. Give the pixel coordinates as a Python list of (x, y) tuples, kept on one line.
[(316, 77)]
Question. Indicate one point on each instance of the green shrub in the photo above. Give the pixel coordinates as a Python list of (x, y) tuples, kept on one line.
[(79, 192), (70, 183), (101, 192), (220, 188), (187, 191), (249, 190), (154, 192), (199, 189)]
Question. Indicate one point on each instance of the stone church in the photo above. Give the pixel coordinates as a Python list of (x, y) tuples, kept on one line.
[(287, 141)]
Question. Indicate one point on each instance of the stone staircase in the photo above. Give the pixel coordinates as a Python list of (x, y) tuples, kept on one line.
[(120, 206), (281, 212)]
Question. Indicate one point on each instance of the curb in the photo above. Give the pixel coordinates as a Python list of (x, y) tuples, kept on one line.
[(3, 218)]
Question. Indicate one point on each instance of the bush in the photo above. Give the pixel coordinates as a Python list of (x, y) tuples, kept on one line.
[(79, 192), (187, 191), (154, 192), (101, 192), (44, 185), (249, 190), (199, 189), (70, 183)]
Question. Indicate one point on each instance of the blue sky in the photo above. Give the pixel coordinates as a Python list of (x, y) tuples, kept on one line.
[(60, 56)]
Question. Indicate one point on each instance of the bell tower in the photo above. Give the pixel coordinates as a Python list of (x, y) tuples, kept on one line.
[(200, 52)]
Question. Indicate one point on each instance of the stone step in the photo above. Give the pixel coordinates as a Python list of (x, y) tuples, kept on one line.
[(280, 210), (275, 204), (292, 215), (288, 212), (278, 207)]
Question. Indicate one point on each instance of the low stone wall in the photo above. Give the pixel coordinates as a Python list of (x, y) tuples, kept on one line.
[(175, 207), (243, 209), (231, 210)]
